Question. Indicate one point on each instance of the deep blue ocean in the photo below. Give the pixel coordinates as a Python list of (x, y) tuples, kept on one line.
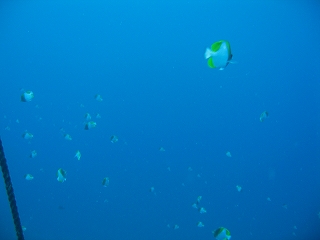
[(175, 119)]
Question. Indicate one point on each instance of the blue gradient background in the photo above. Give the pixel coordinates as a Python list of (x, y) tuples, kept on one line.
[(146, 60)]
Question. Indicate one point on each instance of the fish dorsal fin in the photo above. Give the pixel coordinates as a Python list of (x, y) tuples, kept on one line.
[(216, 46)]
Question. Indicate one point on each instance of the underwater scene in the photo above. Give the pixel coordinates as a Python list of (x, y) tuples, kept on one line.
[(160, 120)]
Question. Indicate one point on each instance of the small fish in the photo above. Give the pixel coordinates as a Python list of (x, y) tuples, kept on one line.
[(27, 135), (98, 98), (105, 182), (87, 116), (195, 205), (202, 210), (264, 116), (161, 149), (239, 188), (176, 227), (221, 234), (200, 224), (90, 125), (67, 137), (78, 155), (199, 199), (33, 154), (61, 175), (27, 96), (114, 139), (228, 154), (219, 55), (28, 177)]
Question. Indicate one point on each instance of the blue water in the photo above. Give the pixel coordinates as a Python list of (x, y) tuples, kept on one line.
[(146, 60)]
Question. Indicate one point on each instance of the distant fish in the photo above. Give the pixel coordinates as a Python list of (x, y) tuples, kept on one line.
[(264, 116), (202, 210), (98, 98), (219, 55), (114, 139), (106, 182), (28, 177), (33, 154), (90, 125), (200, 224), (67, 137), (87, 116), (27, 135), (61, 175), (78, 155), (27, 96), (161, 149)]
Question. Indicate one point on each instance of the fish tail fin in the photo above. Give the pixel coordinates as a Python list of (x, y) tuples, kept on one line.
[(208, 53)]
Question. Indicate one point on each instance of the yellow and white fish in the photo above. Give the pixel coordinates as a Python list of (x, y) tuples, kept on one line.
[(33, 154), (67, 137), (87, 116), (264, 116), (200, 224), (28, 177), (90, 125), (114, 139), (161, 149), (105, 182), (78, 155), (61, 175), (27, 96), (202, 210), (239, 188), (27, 135), (98, 98), (222, 234), (219, 55)]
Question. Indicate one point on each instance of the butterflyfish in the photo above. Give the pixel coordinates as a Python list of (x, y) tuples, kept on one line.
[(219, 55), (61, 175), (222, 234)]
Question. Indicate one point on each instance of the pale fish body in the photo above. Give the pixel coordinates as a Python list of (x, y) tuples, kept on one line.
[(78, 155), (61, 175), (27, 96), (28, 177)]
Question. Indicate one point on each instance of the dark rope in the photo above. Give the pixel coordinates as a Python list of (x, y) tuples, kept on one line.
[(10, 193)]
